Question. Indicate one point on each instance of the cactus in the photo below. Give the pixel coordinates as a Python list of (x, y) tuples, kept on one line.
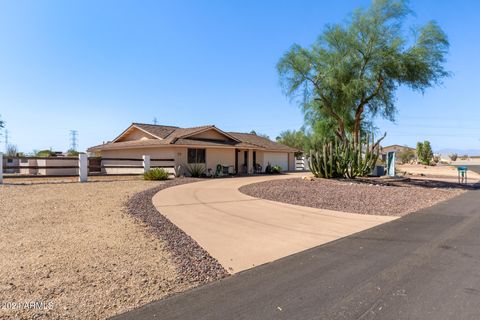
[(334, 159)]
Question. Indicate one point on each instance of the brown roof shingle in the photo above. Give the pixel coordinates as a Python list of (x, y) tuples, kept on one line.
[(179, 136)]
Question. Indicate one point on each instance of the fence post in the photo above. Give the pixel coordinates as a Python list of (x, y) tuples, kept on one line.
[(82, 167), (1, 168), (146, 163)]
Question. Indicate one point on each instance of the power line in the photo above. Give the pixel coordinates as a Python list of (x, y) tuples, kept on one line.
[(73, 139)]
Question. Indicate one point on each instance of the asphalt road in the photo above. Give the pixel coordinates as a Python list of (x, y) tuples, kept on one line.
[(422, 266)]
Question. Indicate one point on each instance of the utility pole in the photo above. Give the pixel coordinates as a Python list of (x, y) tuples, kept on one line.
[(155, 122), (73, 140)]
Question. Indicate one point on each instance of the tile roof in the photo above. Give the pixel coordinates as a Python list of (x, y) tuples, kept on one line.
[(156, 130), (169, 135), (261, 142)]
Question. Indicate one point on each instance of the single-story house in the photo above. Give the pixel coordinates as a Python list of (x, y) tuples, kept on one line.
[(174, 147)]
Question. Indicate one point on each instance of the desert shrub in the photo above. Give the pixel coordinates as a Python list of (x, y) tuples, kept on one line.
[(276, 169), (196, 170), (72, 153), (156, 174), (464, 157), (269, 169), (406, 156), (453, 156), (45, 153), (436, 159)]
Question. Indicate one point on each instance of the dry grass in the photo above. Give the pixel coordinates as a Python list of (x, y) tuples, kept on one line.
[(73, 245)]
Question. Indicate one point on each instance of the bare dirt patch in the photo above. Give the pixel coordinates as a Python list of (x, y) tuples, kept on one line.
[(74, 247), (367, 196)]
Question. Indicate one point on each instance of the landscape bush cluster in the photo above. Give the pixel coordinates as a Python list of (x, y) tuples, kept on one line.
[(156, 174), (269, 169)]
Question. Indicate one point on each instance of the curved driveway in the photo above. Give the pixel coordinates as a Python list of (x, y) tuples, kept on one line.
[(242, 232)]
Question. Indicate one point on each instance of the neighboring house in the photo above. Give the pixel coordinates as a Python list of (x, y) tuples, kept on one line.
[(394, 147), (172, 146)]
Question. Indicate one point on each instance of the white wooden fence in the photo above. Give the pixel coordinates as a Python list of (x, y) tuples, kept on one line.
[(80, 166), (301, 164)]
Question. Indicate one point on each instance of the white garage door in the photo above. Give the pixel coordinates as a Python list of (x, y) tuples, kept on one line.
[(276, 159)]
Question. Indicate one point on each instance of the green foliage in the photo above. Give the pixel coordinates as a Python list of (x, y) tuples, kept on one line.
[(344, 158), (275, 169), (453, 156), (196, 170), (156, 174), (351, 74), (424, 152), (406, 156), (72, 153), (294, 138), (45, 153)]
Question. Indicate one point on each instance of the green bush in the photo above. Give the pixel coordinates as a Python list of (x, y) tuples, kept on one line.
[(156, 174), (196, 170), (269, 169), (276, 169)]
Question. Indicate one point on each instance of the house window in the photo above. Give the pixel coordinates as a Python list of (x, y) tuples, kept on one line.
[(196, 155)]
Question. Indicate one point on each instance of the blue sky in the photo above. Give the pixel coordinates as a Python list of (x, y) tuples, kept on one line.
[(97, 66)]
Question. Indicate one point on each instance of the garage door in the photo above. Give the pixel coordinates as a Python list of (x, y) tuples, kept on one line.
[(276, 159)]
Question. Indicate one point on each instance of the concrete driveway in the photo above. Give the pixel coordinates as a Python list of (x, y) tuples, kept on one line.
[(242, 232)]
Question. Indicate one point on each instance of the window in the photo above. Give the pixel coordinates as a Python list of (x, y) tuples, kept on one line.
[(196, 155)]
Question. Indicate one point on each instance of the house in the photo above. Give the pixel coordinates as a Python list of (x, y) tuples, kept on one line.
[(174, 147), (396, 148)]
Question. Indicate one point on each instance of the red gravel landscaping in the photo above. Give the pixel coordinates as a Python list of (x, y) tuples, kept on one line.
[(358, 196)]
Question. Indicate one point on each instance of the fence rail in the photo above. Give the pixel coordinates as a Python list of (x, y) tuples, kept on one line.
[(81, 166), (301, 164)]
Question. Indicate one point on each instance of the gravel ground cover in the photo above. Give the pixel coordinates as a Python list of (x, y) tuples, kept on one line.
[(74, 248), (365, 196), (193, 262)]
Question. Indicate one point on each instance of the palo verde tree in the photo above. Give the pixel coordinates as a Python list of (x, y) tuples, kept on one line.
[(351, 73)]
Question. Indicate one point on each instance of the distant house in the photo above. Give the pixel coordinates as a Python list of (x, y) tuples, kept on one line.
[(394, 147), (179, 147)]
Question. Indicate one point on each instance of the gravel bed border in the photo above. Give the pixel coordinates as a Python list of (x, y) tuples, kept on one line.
[(195, 265), (360, 196)]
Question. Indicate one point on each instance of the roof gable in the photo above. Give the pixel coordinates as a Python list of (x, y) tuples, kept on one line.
[(209, 133), (155, 135)]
